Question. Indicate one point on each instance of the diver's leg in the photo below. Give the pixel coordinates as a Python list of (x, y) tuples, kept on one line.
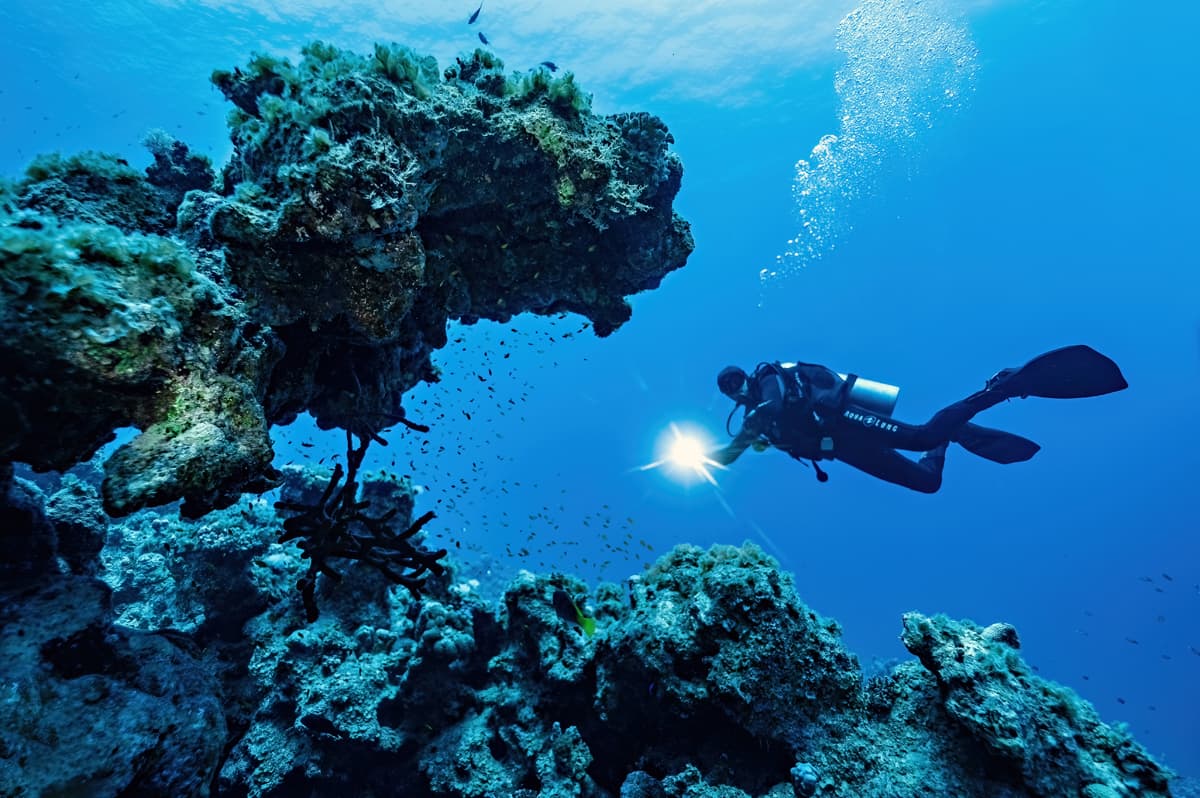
[(891, 466), (1068, 373), (872, 428), (867, 430), (946, 422)]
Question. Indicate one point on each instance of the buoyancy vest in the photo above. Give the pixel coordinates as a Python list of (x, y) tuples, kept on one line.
[(813, 396)]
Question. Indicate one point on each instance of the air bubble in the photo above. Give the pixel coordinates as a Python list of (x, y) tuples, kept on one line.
[(906, 65)]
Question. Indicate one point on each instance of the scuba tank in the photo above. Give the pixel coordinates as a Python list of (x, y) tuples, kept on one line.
[(878, 397)]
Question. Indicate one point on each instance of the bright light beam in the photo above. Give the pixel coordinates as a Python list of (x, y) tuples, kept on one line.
[(686, 453)]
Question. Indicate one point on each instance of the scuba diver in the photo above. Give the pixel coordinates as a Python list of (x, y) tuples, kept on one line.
[(813, 413)]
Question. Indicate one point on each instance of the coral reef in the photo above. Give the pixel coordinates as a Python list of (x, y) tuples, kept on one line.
[(706, 676), (368, 200)]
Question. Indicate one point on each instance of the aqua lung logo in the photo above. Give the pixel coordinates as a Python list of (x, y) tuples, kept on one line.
[(871, 421)]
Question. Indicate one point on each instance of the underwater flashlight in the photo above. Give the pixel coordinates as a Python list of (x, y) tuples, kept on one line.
[(686, 452)]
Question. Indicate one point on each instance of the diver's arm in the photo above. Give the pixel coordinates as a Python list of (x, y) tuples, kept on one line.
[(733, 450), (757, 421)]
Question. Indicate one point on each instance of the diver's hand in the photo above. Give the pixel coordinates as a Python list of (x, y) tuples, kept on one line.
[(725, 454)]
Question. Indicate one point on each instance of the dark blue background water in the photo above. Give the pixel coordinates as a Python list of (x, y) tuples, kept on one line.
[(1056, 207)]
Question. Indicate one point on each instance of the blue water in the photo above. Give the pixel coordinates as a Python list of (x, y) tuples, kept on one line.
[(1053, 206)]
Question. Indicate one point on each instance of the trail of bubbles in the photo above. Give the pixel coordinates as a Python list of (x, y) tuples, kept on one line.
[(907, 64)]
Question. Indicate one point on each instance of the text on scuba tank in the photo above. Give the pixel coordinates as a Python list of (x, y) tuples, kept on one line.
[(870, 421)]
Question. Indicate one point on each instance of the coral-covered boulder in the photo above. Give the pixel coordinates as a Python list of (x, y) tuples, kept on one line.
[(1053, 739), (89, 708), (369, 200), (723, 628)]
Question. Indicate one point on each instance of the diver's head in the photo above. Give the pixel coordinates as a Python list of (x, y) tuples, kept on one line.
[(734, 383)]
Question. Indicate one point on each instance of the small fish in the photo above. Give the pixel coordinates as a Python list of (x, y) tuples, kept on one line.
[(474, 17), (553, 67), (483, 38), (566, 608)]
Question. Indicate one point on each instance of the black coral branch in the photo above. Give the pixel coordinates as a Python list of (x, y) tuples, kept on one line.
[(337, 526)]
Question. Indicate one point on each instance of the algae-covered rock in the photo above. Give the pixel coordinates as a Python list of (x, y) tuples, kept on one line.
[(705, 676), (28, 547), (1053, 738), (105, 329), (91, 325), (403, 199), (89, 708), (176, 169), (95, 188), (197, 577), (80, 526), (724, 628), (369, 200)]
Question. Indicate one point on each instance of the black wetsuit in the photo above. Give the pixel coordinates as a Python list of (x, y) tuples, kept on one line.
[(805, 410)]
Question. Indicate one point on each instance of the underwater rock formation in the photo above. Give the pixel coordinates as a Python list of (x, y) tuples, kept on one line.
[(88, 706), (1034, 725), (704, 676), (368, 201)]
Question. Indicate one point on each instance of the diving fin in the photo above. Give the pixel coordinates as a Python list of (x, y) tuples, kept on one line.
[(1072, 372), (995, 445)]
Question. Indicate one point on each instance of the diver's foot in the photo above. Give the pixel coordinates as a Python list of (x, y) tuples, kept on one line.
[(936, 455), (1003, 382), (996, 379)]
